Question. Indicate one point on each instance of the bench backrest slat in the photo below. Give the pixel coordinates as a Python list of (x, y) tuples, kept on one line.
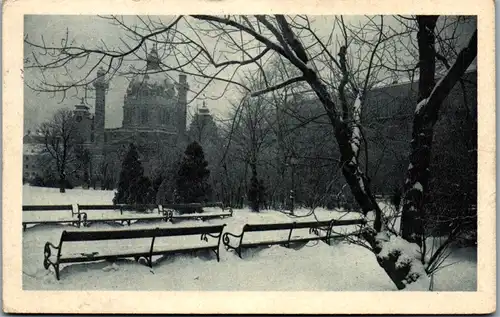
[(311, 224), (301, 225), (98, 207), (348, 222), (193, 205), (136, 234), (106, 235), (46, 207), (268, 227), (133, 207), (163, 232)]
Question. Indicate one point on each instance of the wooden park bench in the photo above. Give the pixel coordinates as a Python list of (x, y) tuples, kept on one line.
[(147, 252), (75, 219), (121, 220), (119, 207), (169, 209), (322, 230)]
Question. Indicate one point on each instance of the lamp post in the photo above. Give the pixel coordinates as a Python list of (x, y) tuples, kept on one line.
[(293, 162)]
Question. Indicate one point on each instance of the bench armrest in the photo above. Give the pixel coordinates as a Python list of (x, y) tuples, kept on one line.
[(47, 252), (82, 219), (227, 241)]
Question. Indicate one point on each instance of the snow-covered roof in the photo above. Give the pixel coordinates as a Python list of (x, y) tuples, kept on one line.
[(33, 149)]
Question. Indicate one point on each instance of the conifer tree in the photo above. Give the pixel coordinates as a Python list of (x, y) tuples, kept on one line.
[(141, 191), (165, 192), (130, 174), (192, 177)]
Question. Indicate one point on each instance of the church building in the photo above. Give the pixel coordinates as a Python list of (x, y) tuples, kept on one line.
[(154, 119)]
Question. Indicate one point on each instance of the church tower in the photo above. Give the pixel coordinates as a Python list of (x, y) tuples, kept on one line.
[(83, 123), (97, 152), (203, 128), (182, 89), (101, 85)]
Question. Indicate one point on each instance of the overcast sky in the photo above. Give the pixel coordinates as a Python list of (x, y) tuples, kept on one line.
[(92, 31)]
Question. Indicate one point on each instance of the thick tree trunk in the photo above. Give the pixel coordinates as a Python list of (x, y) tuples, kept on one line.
[(426, 115), (62, 183), (357, 181), (418, 173)]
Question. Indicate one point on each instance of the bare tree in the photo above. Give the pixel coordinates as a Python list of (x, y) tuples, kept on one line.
[(431, 96), (60, 139)]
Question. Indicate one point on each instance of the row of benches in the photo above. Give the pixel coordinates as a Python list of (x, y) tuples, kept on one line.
[(318, 230), (165, 212)]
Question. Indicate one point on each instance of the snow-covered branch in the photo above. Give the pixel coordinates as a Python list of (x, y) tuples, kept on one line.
[(278, 86), (356, 132)]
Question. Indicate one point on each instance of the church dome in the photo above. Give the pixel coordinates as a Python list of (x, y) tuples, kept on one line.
[(153, 78), (151, 81)]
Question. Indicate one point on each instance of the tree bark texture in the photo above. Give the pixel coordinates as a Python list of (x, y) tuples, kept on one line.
[(431, 96)]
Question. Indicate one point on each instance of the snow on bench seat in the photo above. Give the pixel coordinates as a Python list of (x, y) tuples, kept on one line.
[(285, 233), (50, 214), (87, 246)]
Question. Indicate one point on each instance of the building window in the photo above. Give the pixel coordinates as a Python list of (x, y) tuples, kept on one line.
[(26, 174), (33, 166), (27, 158), (164, 116), (144, 116), (27, 166)]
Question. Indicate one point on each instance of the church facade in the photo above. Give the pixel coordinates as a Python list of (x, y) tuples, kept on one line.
[(154, 119)]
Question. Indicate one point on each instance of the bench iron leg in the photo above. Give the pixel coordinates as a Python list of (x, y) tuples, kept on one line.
[(289, 237), (216, 251), (56, 267), (46, 258)]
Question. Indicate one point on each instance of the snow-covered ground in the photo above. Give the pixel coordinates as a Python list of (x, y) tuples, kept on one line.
[(313, 267)]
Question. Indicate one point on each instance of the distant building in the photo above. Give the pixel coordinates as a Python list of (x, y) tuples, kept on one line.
[(33, 155), (154, 119), (203, 128), (154, 115), (387, 120)]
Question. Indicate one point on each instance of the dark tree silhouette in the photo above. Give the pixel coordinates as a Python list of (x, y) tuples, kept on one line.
[(60, 143), (192, 177), (130, 174), (256, 192), (141, 191)]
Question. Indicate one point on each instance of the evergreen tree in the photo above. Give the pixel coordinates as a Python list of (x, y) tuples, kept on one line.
[(192, 177), (141, 192), (130, 175), (165, 192)]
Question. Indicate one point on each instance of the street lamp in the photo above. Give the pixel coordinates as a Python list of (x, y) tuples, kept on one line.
[(293, 162)]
